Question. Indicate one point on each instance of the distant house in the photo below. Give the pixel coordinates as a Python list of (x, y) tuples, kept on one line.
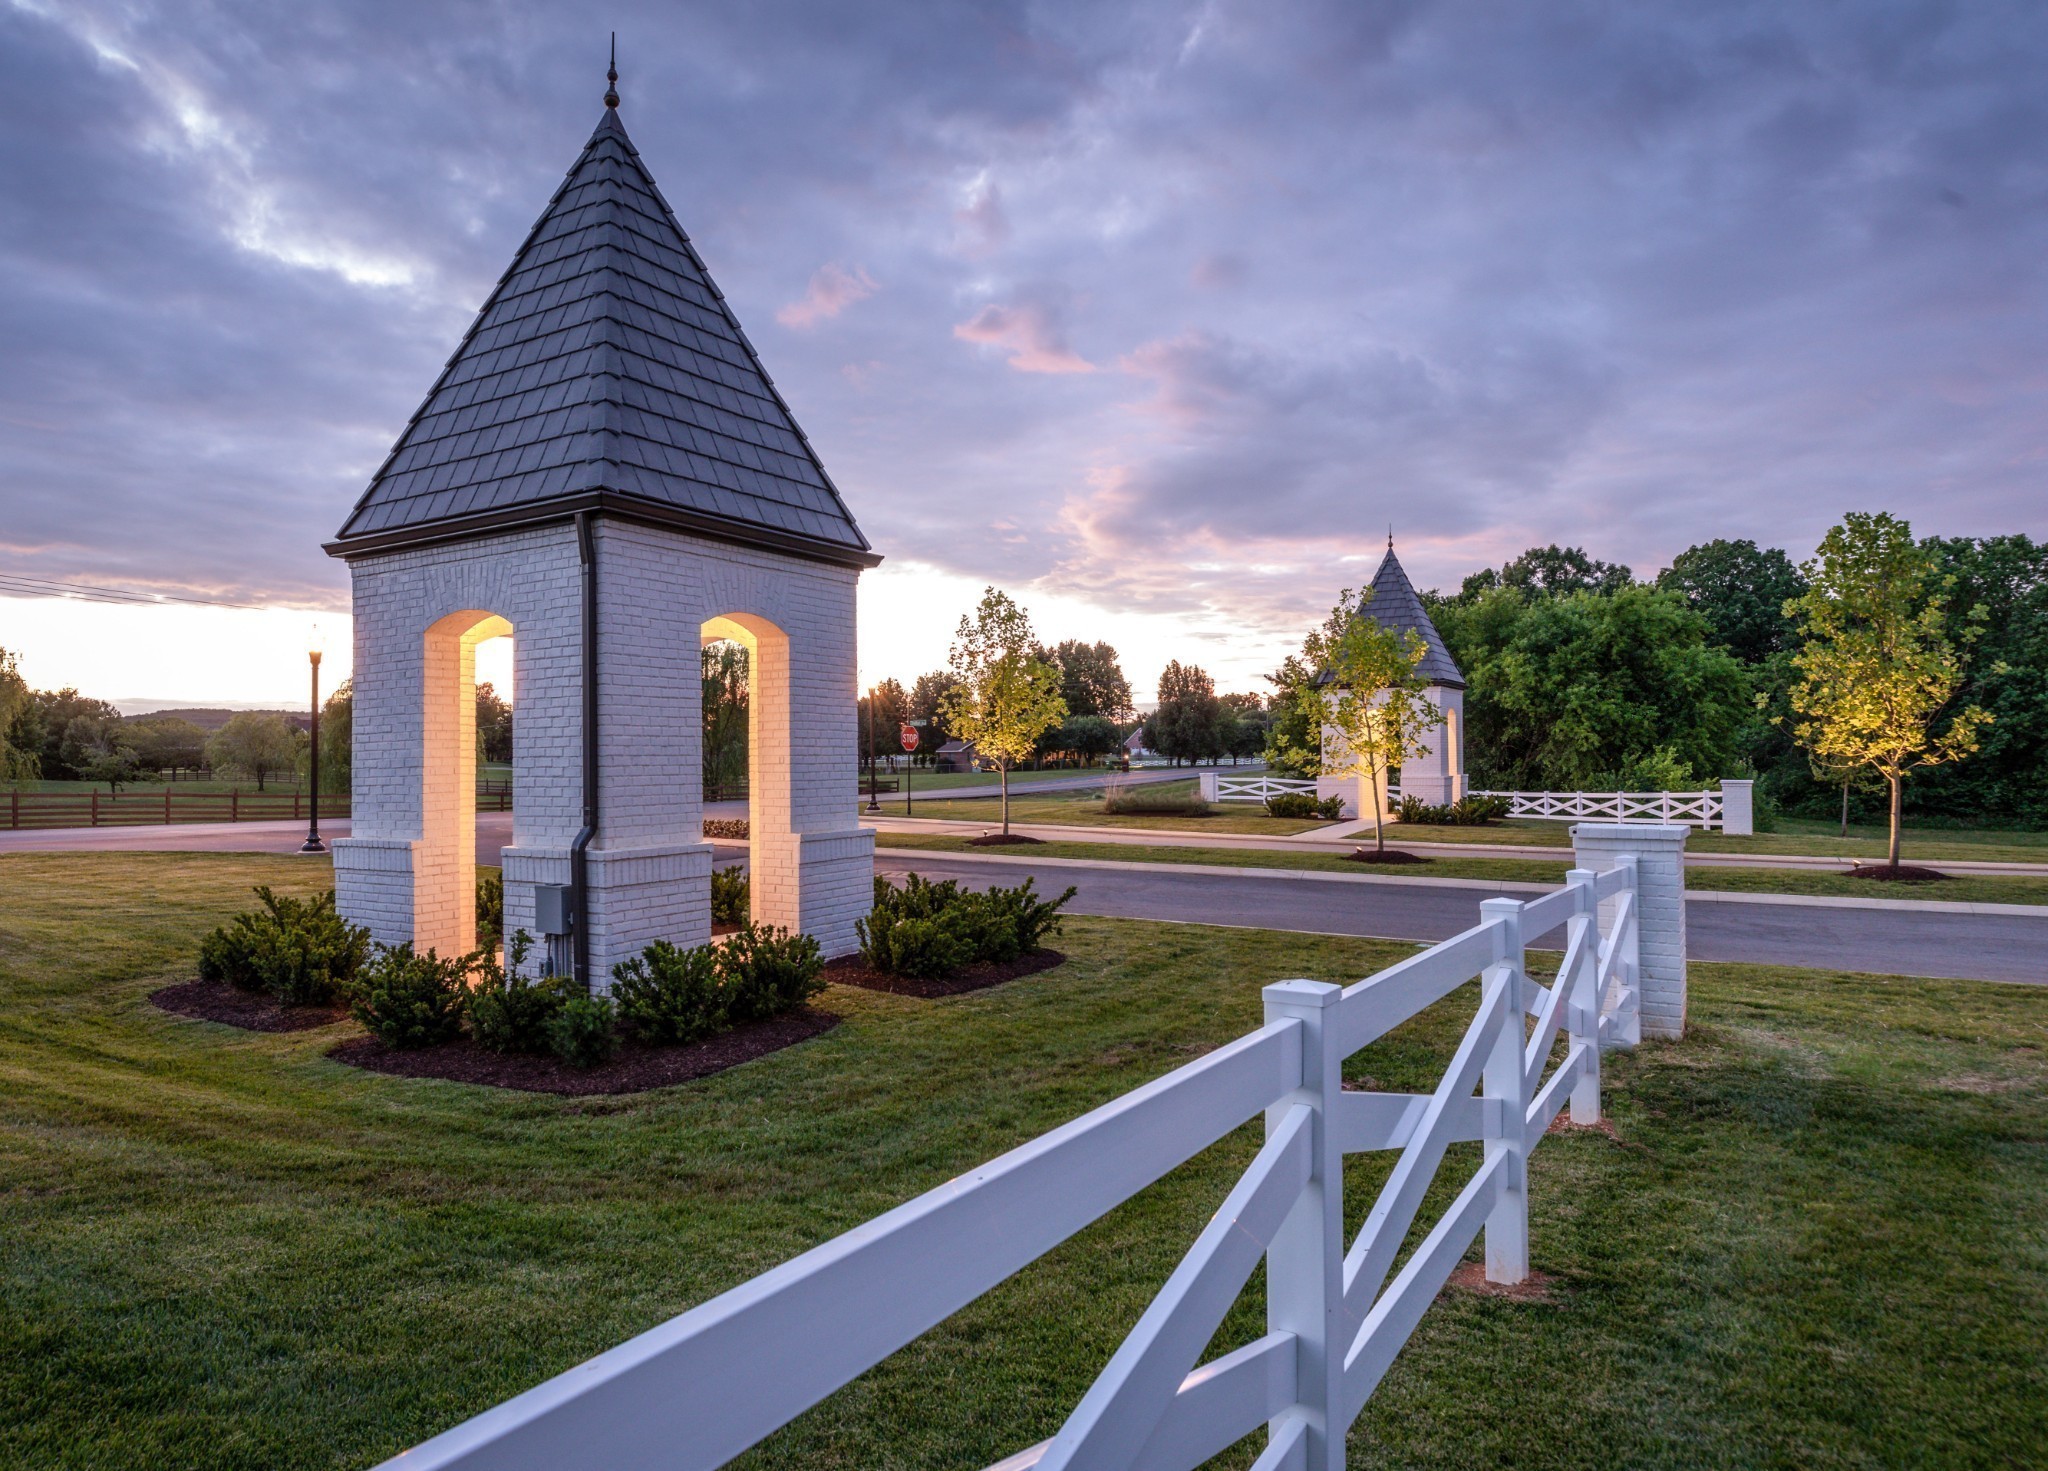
[(1135, 747), (957, 756)]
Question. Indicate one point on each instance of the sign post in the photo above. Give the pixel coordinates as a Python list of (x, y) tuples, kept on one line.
[(908, 732)]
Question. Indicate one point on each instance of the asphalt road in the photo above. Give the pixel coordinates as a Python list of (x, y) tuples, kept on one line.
[(1991, 947)]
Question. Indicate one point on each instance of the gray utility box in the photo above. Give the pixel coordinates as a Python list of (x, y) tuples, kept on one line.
[(551, 908)]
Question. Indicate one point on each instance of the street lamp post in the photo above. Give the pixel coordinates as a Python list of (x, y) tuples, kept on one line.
[(874, 789), (313, 843)]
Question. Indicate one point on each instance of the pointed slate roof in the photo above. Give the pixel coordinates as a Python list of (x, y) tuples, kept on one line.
[(606, 372), (1394, 604)]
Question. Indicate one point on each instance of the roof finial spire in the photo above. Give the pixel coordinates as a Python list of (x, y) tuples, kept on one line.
[(611, 76), (1390, 536)]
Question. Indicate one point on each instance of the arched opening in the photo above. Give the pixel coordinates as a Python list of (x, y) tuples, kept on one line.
[(773, 851), (444, 864)]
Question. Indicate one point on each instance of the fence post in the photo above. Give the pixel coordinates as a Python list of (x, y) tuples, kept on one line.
[(1505, 1087), (1305, 1263), (1208, 780), (1655, 951), (167, 800), (1738, 806), (15, 805), (95, 807), (235, 805), (1582, 1001)]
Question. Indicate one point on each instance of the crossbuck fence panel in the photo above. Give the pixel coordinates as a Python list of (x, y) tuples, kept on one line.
[(704, 1386), (1256, 788), (1696, 809)]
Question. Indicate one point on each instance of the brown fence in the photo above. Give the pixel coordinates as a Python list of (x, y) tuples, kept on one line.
[(133, 808)]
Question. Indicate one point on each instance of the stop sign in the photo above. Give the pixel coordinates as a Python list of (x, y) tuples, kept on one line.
[(909, 734)]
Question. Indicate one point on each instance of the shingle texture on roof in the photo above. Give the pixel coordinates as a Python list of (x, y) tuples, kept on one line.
[(1394, 604), (606, 360)]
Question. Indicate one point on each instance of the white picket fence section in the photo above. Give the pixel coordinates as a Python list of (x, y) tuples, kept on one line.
[(1221, 788), (703, 1387), (1695, 809)]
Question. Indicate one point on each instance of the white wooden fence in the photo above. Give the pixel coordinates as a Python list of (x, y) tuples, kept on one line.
[(704, 1386), (1729, 809), (1217, 787)]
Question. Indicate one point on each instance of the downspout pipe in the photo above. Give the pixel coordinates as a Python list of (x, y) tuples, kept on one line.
[(579, 856)]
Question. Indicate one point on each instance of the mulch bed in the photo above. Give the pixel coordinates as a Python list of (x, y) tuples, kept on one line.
[(1392, 855), (851, 970), (637, 1068), (1000, 840), (1905, 873), (252, 1011), (1471, 1277)]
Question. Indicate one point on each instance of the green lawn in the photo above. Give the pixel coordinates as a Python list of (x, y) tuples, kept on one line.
[(1084, 809), (1794, 836), (1817, 1240), (1991, 889)]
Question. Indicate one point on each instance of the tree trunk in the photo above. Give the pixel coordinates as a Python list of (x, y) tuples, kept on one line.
[(1895, 824), (1004, 771), (1845, 806), (1379, 819)]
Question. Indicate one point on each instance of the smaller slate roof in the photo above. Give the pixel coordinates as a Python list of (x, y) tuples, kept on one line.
[(1394, 604), (606, 372)]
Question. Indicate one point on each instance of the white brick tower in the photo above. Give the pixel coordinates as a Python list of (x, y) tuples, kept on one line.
[(605, 471)]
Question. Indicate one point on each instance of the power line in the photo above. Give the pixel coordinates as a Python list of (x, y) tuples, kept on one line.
[(21, 585)]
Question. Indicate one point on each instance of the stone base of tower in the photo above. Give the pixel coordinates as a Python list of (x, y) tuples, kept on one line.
[(637, 896), (820, 883)]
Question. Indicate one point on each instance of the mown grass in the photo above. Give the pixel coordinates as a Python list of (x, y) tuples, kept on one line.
[(1969, 889), (1795, 837), (1084, 809), (1819, 1239)]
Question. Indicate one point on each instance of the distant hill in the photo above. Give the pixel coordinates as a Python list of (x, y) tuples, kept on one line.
[(211, 719)]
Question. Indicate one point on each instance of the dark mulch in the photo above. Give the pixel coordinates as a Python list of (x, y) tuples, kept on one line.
[(1000, 840), (1391, 855), (851, 970), (1471, 1277), (252, 1011), (637, 1068), (1905, 873)]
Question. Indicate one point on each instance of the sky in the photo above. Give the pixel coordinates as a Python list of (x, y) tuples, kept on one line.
[(1158, 315)]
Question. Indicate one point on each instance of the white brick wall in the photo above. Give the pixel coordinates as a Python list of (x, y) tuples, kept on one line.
[(408, 872), (1660, 895)]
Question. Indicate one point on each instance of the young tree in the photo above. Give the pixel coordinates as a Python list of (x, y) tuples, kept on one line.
[(1371, 702), (1005, 698), (1878, 668), (256, 744)]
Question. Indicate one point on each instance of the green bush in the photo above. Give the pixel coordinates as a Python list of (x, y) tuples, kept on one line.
[(729, 895), (584, 1032), (413, 1000), (1465, 812), (1304, 804), (509, 1012), (927, 930), (299, 950), (764, 972), (668, 994), (490, 908)]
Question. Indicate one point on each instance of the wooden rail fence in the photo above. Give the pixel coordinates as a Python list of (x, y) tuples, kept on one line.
[(31, 810)]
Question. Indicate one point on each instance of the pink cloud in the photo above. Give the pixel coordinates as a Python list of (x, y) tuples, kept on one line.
[(1029, 333), (832, 290)]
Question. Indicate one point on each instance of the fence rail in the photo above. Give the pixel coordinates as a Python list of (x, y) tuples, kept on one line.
[(19, 810), (1255, 788), (703, 1387), (1697, 809)]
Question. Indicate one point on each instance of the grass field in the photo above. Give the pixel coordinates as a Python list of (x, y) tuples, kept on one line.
[(1084, 809), (1970, 889), (1794, 836), (1816, 1240)]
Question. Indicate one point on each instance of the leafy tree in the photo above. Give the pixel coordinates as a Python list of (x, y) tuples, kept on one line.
[(337, 739), (724, 672), (1549, 572), (66, 732), (1187, 724), (1371, 702), (167, 743), (1242, 725), (256, 744), (1088, 737), (1590, 692), (879, 721), (17, 762), (1091, 680), (928, 703), (493, 725), (1879, 670), (1741, 591), (1005, 698), (1291, 736)]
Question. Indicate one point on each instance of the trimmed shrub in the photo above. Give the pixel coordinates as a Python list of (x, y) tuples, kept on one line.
[(490, 908), (726, 827), (927, 930), (729, 891), (765, 972), (1296, 804), (1465, 812), (584, 1032), (509, 1012), (669, 994), (412, 1000), (298, 950)]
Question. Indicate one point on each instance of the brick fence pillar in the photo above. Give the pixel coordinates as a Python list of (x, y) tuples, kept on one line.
[(1660, 917)]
